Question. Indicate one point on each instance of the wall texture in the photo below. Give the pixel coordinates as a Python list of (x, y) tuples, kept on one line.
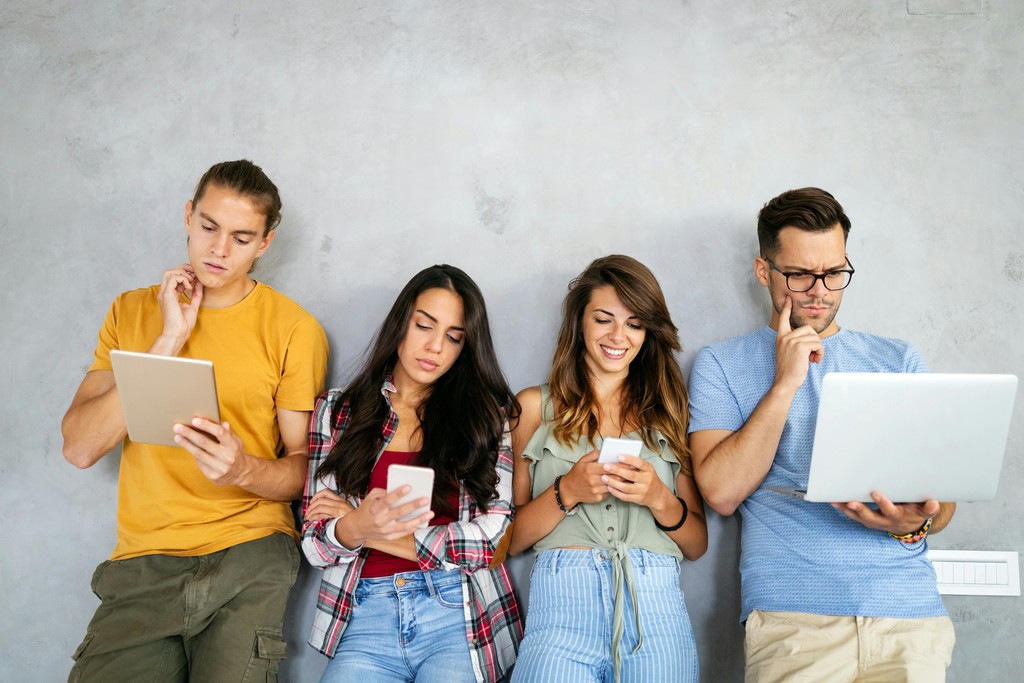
[(517, 140)]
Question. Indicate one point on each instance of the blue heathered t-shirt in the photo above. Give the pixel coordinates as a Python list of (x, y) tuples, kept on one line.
[(798, 556)]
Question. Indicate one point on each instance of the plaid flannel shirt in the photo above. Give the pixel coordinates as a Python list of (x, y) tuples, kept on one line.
[(493, 624)]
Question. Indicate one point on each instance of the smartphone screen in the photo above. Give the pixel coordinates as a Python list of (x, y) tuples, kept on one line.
[(420, 479), (612, 448)]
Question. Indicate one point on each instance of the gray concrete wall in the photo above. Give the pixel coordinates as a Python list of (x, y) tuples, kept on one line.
[(517, 140)]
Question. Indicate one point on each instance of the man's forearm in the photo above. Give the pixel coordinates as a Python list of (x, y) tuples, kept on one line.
[(279, 479), (94, 424), (734, 467)]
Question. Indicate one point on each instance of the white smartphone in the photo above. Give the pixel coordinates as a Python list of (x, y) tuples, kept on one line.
[(612, 448), (420, 479)]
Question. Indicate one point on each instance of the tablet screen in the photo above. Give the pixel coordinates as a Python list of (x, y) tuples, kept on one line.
[(158, 392)]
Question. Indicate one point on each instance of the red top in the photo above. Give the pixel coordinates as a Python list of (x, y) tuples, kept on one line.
[(379, 563)]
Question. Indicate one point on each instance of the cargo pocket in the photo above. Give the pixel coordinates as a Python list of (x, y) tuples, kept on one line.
[(269, 649), (80, 652), (84, 647)]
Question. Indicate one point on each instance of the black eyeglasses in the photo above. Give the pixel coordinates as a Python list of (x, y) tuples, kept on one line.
[(834, 280)]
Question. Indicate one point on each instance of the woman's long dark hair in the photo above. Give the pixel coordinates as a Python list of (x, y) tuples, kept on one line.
[(462, 419)]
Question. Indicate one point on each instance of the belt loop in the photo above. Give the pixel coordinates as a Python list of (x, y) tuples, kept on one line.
[(430, 584)]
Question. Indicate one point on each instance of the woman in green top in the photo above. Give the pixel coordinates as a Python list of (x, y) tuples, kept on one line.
[(605, 601)]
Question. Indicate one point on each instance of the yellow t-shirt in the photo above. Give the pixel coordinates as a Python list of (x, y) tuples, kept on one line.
[(267, 353)]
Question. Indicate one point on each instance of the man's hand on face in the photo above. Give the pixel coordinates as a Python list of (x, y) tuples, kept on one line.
[(795, 350), (179, 318)]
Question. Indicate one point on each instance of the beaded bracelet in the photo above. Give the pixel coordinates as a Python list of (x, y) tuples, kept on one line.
[(558, 499), (682, 520), (914, 536)]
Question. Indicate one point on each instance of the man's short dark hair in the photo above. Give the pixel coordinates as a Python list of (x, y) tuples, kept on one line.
[(247, 180), (808, 208)]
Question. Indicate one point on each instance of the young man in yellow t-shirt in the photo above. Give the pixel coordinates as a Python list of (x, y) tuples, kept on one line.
[(196, 587)]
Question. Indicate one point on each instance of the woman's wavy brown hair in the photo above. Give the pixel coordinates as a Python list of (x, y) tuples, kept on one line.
[(654, 395)]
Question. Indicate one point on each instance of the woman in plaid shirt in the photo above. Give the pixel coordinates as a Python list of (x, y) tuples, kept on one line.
[(422, 599)]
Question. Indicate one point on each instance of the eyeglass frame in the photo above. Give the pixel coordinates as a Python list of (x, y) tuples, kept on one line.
[(817, 276)]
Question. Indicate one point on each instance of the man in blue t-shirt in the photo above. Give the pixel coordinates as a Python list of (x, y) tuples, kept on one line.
[(831, 592)]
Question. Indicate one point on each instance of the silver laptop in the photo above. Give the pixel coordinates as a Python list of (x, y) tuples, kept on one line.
[(158, 392), (909, 436)]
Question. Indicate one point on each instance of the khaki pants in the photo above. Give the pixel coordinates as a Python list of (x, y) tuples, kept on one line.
[(213, 618), (794, 647)]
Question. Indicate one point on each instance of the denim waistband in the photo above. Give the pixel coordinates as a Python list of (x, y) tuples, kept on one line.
[(404, 582), (641, 559)]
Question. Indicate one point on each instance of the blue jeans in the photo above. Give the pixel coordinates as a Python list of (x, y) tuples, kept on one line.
[(569, 622), (407, 627)]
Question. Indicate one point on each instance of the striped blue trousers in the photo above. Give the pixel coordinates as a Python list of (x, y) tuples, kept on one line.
[(569, 622)]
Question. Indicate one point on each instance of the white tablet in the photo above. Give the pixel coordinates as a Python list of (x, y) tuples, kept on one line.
[(158, 392)]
